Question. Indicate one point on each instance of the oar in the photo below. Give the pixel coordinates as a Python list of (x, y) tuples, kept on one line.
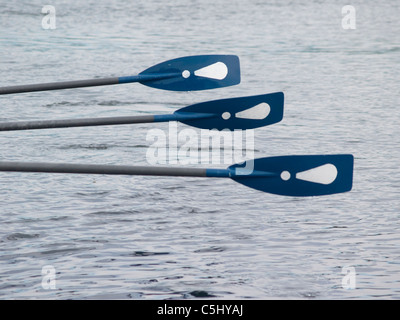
[(183, 74), (234, 113), (310, 175)]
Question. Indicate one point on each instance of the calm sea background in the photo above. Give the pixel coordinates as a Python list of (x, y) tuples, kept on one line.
[(111, 237)]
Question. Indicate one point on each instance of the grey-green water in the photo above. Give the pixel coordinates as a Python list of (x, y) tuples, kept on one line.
[(155, 238)]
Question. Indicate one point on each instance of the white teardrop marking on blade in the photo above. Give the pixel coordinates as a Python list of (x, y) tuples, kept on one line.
[(325, 174), (216, 70), (258, 112)]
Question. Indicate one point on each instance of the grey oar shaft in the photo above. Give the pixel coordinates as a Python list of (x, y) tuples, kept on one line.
[(101, 169), (59, 85), (68, 123)]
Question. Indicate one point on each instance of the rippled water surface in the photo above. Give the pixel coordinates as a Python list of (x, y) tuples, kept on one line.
[(159, 238)]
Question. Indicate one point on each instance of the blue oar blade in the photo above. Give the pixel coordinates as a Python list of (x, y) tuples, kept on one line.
[(309, 175), (235, 113), (201, 72)]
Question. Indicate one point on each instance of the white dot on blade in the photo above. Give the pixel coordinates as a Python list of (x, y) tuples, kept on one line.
[(226, 115), (285, 175), (186, 74)]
